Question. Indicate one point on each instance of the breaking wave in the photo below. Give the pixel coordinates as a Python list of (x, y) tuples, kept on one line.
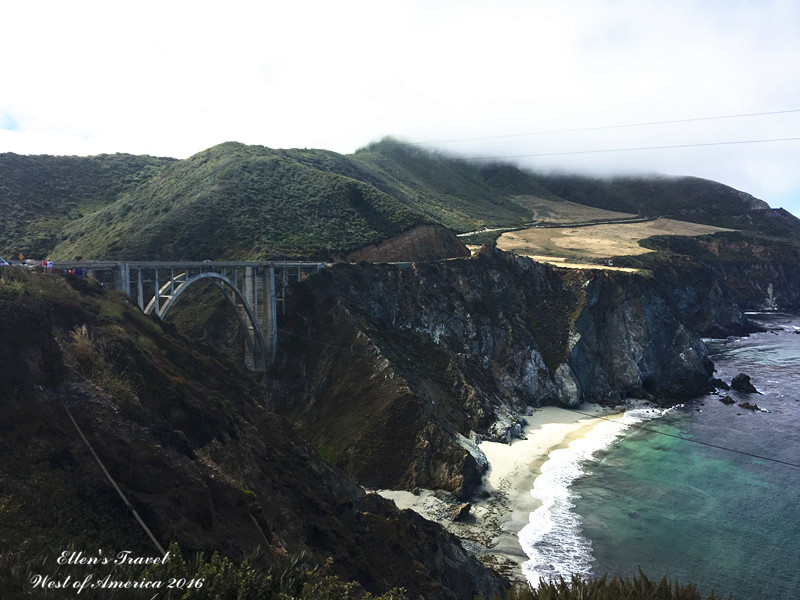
[(552, 539)]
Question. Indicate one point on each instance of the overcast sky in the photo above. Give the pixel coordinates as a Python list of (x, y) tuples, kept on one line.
[(171, 78)]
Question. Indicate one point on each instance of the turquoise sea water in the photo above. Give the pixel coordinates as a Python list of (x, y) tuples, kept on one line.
[(662, 497)]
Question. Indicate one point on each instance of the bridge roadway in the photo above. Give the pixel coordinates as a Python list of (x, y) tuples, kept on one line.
[(254, 288)]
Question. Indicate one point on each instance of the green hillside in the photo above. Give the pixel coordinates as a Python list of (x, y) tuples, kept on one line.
[(252, 202), (684, 198), (39, 195), (243, 202), (456, 193)]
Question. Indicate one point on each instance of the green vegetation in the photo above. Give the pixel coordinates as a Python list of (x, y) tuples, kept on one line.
[(726, 248), (251, 202), (88, 355), (638, 588), (40, 195), (457, 193), (684, 198), (240, 202)]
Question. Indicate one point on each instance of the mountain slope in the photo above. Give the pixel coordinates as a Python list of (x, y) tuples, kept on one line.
[(41, 194), (236, 201), (452, 192), (253, 202), (683, 198)]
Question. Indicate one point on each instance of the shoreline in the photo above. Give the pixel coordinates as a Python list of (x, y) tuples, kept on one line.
[(504, 505)]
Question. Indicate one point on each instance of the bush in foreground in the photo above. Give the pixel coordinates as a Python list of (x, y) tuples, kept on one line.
[(638, 588)]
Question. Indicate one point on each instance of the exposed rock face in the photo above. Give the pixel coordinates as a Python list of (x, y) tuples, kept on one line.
[(464, 346), (749, 406), (192, 445), (460, 512), (722, 275), (741, 383), (423, 242), (632, 345)]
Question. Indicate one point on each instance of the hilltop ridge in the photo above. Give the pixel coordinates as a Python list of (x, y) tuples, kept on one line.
[(253, 202)]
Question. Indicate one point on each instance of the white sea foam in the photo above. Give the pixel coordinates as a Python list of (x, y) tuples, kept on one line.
[(552, 539)]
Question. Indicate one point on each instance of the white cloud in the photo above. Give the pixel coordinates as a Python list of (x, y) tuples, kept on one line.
[(172, 78)]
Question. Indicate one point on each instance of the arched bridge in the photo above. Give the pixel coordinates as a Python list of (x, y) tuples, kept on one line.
[(254, 288)]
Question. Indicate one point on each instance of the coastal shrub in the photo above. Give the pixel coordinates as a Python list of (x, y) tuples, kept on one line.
[(88, 353), (640, 587)]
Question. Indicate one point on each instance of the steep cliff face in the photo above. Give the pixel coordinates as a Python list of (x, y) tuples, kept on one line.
[(423, 242), (390, 371), (631, 343), (712, 279), (192, 444)]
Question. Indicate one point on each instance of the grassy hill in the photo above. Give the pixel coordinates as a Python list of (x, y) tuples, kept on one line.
[(252, 202), (684, 198), (455, 193), (39, 195), (237, 201)]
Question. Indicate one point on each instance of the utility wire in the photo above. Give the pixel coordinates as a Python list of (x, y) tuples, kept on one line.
[(604, 127), (687, 439), (113, 483), (639, 427), (633, 149)]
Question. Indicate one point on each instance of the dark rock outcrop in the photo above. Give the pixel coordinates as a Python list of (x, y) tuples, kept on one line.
[(460, 512), (741, 383), (727, 400), (720, 384)]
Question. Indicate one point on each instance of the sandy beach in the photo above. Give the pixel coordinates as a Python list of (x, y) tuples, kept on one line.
[(504, 507)]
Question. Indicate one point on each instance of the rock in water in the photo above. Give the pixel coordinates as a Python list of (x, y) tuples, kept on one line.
[(727, 400), (719, 384), (741, 383)]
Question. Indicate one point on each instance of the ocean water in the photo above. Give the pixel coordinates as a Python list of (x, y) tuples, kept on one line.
[(705, 493)]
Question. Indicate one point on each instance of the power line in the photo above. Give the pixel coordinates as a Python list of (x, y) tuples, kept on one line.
[(604, 127), (638, 427), (633, 149), (112, 481), (687, 439)]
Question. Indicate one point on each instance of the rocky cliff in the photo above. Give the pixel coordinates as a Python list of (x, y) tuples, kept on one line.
[(191, 442), (392, 371), (711, 280)]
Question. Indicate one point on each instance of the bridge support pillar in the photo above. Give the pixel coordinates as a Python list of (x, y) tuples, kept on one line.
[(122, 278), (270, 329), (258, 289), (251, 351), (139, 289)]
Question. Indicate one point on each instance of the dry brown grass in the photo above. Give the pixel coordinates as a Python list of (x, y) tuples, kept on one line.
[(553, 211), (574, 244)]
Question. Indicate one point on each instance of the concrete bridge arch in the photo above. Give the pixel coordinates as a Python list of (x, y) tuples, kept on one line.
[(252, 286), (258, 353)]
